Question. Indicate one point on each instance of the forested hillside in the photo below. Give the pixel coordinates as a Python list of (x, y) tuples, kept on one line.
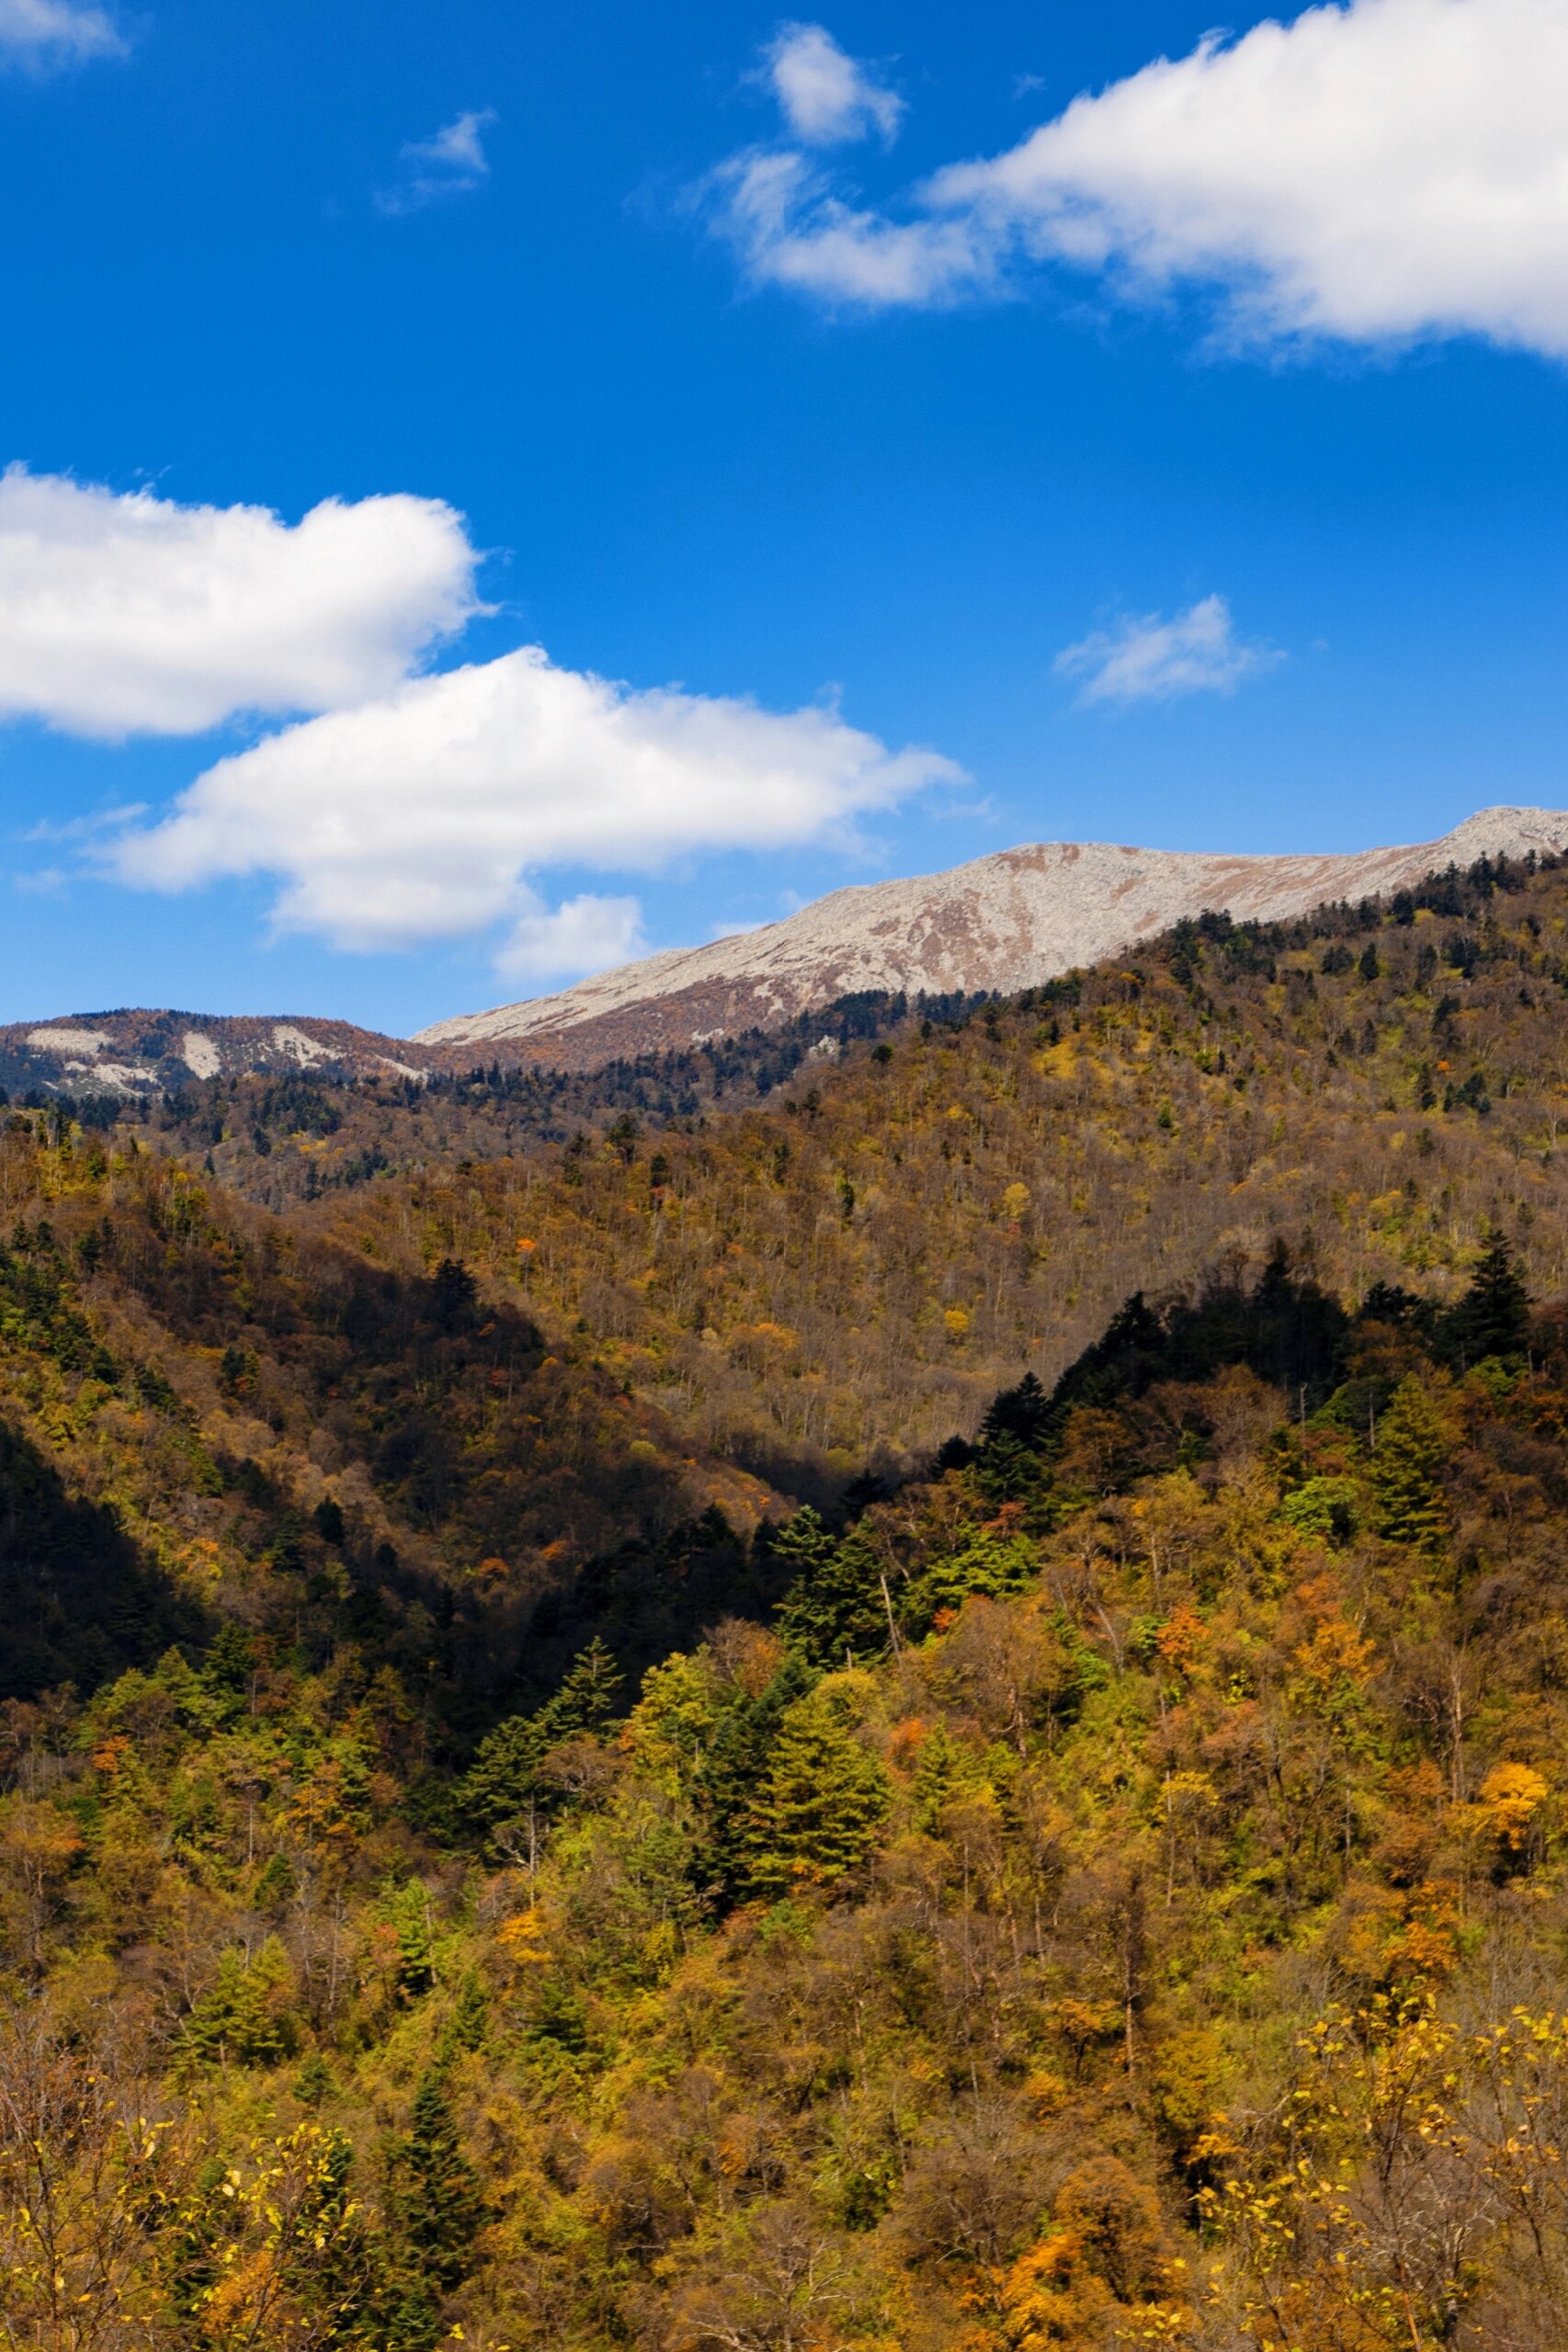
[(480, 1864), (204, 1413), (864, 1262), (1117, 1896)]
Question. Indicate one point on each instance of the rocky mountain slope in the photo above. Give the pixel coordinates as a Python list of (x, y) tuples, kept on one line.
[(999, 924), (1006, 922), (130, 1052)]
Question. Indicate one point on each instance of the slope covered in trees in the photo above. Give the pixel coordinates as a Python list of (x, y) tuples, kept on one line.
[(474, 1857), (1116, 1896), (204, 1413), (864, 1262)]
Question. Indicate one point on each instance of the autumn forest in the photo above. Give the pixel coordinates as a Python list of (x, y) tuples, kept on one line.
[(902, 1689)]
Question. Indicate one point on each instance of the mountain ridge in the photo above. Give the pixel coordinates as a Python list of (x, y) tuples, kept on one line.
[(148, 1051), (995, 925), (1004, 922)]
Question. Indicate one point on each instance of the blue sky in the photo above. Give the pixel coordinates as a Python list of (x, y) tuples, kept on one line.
[(870, 451)]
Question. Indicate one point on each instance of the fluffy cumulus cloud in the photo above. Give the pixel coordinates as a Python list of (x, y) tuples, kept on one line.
[(449, 163), (827, 97), (49, 34), (583, 934), (123, 614), (422, 815), (1370, 172), (1153, 660)]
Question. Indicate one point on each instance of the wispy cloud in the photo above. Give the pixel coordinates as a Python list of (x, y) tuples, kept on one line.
[(49, 34), (827, 97), (1148, 659), (446, 164), (1373, 171)]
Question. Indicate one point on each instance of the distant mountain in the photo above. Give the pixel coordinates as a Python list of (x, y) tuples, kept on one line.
[(1006, 922), (998, 924), (130, 1052)]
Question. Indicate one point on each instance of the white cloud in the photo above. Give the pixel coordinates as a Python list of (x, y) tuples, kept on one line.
[(449, 163), (1371, 172), (790, 227), (827, 99), (127, 614), (1152, 660), (584, 935), (50, 33), (420, 815)]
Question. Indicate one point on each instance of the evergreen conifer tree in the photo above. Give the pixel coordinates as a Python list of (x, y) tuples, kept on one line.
[(242, 2020), (434, 2203), (802, 1544), (729, 1774), (821, 1802), (406, 1909), (945, 1769), (1405, 1471), (1493, 1318), (836, 1609), (504, 1782), (1022, 1413)]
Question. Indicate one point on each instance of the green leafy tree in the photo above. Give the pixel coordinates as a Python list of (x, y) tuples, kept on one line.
[(821, 1802), (1405, 1471)]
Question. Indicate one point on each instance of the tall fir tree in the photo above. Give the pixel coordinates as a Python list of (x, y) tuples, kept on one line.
[(504, 1783), (821, 1802), (1493, 1316), (434, 2205), (1022, 1413), (838, 1610), (1405, 1471), (730, 1772)]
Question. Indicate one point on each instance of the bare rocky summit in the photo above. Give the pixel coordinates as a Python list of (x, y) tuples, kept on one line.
[(1004, 922)]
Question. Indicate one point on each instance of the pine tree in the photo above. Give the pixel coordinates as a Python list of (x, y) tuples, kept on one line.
[(504, 1784), (992, 1564), (1408, 1503), (242, 2020), (730, 1773), (1022, 1413), (586, 1699), (802, 1544), (944, 1769), (820, 1805), (1493, 1318), (839, 1608), (434, 2202), (406, 1909)]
